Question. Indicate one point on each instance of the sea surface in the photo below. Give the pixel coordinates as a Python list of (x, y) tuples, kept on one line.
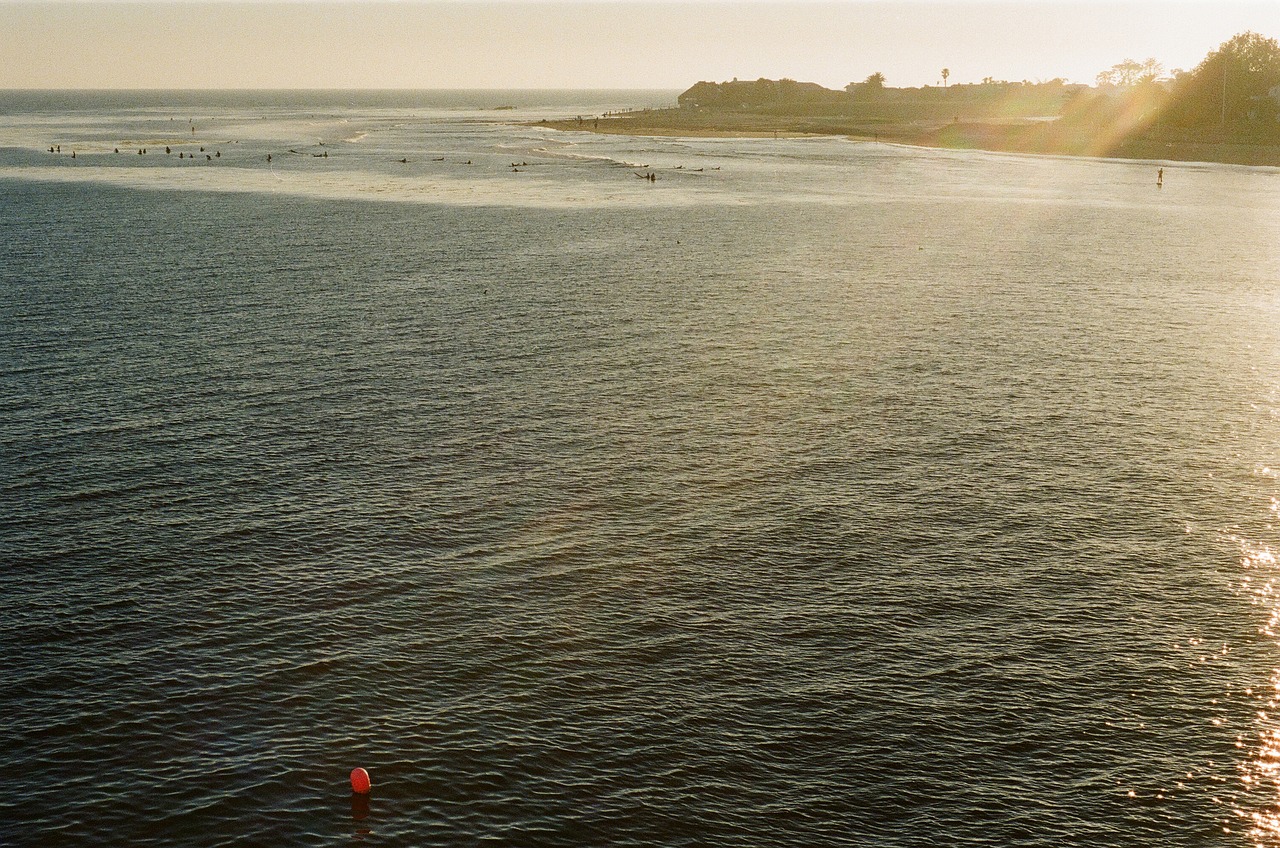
[(815, 493)]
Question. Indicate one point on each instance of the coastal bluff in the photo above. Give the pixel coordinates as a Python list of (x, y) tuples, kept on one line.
[(1050, 117), (741, 94)]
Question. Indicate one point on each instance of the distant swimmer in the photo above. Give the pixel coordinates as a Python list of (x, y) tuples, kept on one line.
[(268, 157), (208, 158), (117, 150), (182, 155), (217, 153), (73, 154), (406, 161), (167, 150), (437, 159)]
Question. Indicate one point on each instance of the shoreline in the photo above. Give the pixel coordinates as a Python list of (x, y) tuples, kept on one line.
[(1049, 138), (622, 126)]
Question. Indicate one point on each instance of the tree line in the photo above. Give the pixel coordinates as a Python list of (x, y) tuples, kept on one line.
[(1234, 91)]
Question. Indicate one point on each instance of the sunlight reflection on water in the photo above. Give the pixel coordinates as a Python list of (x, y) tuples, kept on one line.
[(832, 494)]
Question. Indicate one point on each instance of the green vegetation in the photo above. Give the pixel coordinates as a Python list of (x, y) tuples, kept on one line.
[(1226, 109), (1129, 73), (1231, 98), (989, 99), (1235, 88)]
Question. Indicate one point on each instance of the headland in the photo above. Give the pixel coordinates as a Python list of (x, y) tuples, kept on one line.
[(1149, 120)]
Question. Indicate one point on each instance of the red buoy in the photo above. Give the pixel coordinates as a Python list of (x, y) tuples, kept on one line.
[(360, 781)]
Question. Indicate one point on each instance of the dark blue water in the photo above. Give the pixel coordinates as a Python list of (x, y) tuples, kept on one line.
[(940, 515)]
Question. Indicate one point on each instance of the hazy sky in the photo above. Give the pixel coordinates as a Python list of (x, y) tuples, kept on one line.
[(525, 44)]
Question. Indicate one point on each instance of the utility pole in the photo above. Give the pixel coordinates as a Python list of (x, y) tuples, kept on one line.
[(1224, 94)]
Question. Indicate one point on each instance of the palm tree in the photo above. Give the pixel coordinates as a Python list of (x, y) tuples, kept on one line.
[(946, 72)]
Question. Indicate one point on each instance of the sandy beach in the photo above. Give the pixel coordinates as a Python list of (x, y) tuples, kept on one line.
[(671, 126), (1014, 136)]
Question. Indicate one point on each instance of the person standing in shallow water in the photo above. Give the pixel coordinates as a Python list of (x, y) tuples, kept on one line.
[(1160, 177)]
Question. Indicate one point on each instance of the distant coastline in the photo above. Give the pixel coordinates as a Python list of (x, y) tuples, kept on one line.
[(1024, 135), (1227, 110)]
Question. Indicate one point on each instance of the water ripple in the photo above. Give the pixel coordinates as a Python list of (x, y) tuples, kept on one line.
[(735, 525)]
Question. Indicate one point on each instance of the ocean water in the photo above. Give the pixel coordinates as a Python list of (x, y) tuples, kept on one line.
[(815, 493)]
